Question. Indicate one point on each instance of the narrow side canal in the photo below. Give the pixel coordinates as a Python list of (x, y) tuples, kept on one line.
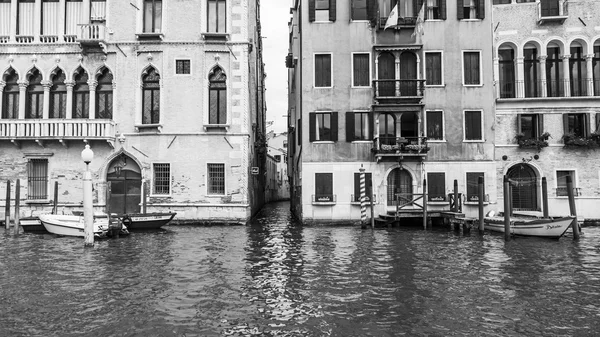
[(277, 278)]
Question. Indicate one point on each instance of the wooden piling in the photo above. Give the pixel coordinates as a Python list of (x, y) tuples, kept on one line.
[(144, 197), (506, 193), (425, 204), (572, 208), (372, 210), (480, 189), (455, 208), (17, 205), (55, 206), (7, 206), (510, 205), (545, 197)]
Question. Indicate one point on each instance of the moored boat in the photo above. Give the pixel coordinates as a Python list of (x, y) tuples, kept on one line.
[(32, 224), (547, 228), (141, 221), (73, 225)]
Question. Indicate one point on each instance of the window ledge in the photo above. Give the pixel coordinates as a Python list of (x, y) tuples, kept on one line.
[(216, 127), (435, 141), (475, 203), (359, 87), (435, 20), (362, 141), (357, 203), (474, 141), (159, 195), (472, 85), (438, 203), (37, 201), (323, 203), (470, 20), (148, 127), (215, 36), (323, 142), (149, 36), (435, 85)]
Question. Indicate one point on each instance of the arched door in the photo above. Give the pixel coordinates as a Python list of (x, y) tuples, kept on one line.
[(124, 180), (399, 181), (523, 180), (387, 129), (386, 74), (408, 74)]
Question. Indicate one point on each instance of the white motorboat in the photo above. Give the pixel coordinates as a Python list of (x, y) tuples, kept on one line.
[(72, 225), (548, 228)]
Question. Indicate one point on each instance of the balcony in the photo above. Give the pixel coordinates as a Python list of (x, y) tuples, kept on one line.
[(399, 91), (409, 21), (549, 88), (92, 37), (62, 130), (552, 11), (400, 148)]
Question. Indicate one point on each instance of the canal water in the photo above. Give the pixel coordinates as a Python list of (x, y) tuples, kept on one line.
[(277, 278)]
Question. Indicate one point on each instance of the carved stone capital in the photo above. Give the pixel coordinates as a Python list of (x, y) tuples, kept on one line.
[(92, 84), (23, 84), (589, 57), (69, 84), (542, 58), (566, 57), (47, 85)]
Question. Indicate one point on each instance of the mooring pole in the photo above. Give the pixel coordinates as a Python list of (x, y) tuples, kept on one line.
[(363, 198), (506, 209), (144, 196), (55, 206), (510, 205), (372, 208), (572, 208), (88, 207), (545, 197), (480, 189), (455, 208), (17, 205), (7, 206), (425, 204)]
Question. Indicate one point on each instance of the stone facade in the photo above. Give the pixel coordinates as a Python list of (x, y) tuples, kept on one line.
[(190, 162)]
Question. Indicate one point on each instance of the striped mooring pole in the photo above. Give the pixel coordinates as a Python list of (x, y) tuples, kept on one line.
[(363, 197)]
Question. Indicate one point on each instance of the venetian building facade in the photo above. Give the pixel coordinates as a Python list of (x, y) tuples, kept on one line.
[(168, 94), (407, 102), (547, 76)]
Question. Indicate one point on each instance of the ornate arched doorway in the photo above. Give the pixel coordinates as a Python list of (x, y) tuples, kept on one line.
[(399, 181), (524, 184), (124, 178)]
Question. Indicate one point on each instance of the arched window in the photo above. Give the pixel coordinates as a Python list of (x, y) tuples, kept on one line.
[(506, 64), (387, 129), (531, 64), (217, 97), (554, 72), (577, 70), (34, 105), (595, 67), (58, 95), (10, 95), (151, 97), (81, 94), (104, 95), (386, 75)]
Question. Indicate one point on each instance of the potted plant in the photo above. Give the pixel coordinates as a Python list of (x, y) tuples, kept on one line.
[(572, 141), (528, 143)]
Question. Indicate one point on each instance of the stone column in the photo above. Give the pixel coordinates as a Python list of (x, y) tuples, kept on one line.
[(69, 84), (589, 58), (22, 98), (2, 85), (92, 85), (46, 107), (520, 78), (542, 72), (399, 124), (497, 75), (566, 75)]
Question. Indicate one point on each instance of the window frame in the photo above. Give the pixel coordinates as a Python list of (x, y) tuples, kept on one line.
[(368, 85), (154, 29), (58, 94), (583, 117), (333, 125), (332, 198), (480, 84), (225, 95), (468, 196), (11, 89), (153, 185), (182, 74), (574, 176), (430, 140), (105, 89), (153, 91), (317, 14), (366, 19), (209, 182), (537, 123), (330, 70), (370, 127), (429, 185), (78, 91), (208, 28), (442, 82), (43, 196), (465, 140)]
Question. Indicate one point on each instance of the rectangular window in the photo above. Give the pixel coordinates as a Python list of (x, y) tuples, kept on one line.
[(576, 124), (433, 68), (359, 10), (161, 184), (324, 187), (561, 183), (183, 67), (152, 16), (74, 16), (37, 179), (471, 68), (435, 125), (473, 125), (471, 9), (502, 2), (361, 74), (50, 17), (323, 126), (436, 186), (10, 100), (5, 17), (362, 126), (216, 179), (473, 186), (436, 10), (26, 17), (323, 70), (321, 10), (550, 8), (217, 16), (98, 10), (368, 186), (531, 125)]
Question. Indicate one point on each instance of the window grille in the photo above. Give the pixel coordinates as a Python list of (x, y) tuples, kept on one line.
[(216, 178), (162, 179), (182, 67), (37, 179)]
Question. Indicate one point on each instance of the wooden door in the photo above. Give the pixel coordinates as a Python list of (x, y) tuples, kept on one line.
[(399, 181), (125, 181), (524, 187), (386, 74), (408, 74)]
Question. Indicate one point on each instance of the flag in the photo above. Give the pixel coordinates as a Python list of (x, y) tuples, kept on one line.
[(392, 20), (419, 23)]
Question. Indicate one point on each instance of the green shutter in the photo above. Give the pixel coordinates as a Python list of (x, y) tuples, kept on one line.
[(334, 126), (372, 9), (332, 10), (312, 120), (442, 5), (597, 121), (460, 14), (565, 123), (587, 125), (481, 10), (311, 10), (519, 126), (349, 126), (540, 124)]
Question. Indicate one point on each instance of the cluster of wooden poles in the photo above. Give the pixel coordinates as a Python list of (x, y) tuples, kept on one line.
[(17, 216)]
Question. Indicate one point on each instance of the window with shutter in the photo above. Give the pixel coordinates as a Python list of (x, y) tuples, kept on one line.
[(323, 126), (471, 68), (323, 70), (531, 125), (436, 186), (435, 125), (358, 126), (576, 124), (472, 185), (359, 10), (324, 187), (361, 70), (433, 68), (473, 125)]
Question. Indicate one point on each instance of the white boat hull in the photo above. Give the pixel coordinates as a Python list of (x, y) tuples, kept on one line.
[(549, 228), (71, 225)]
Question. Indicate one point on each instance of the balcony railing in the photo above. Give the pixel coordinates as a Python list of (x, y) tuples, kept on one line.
[(549, 88), (400, 147), (407, 21), (399, 88), (325, 199), (57, 129), (548, 13), (91, 33)]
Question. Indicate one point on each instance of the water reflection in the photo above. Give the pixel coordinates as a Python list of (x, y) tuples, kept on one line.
[(277, 278)]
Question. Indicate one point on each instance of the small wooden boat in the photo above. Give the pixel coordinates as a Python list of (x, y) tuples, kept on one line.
[(32, 224), (547, 228), (141, 221), (73, 225)]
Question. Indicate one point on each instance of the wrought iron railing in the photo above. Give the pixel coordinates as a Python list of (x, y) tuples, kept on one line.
[(416, 146), (324, 198), (399, 88)]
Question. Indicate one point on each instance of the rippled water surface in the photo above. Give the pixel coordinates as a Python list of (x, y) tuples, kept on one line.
[(277, 278)]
